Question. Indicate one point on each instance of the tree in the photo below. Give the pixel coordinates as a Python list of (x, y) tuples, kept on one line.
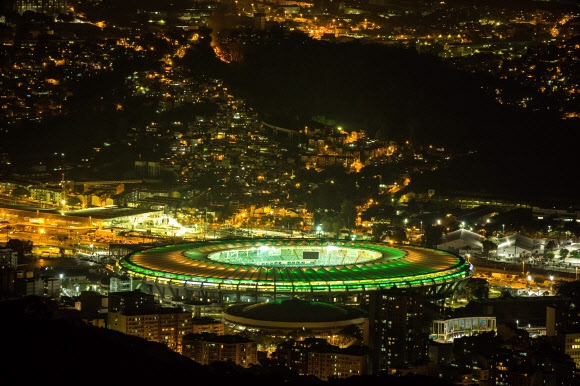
[(227, 211), (433, 235), (74, 201), (563, 253), (290, 222), (569, 289), (550, 245), (488, 246), (393, 233), (67, 18), (352, 331), (20, 192), (266, 220), (331, 223), (550, 256), (22, 247), (480, 288), (379, 231), (348, 213)]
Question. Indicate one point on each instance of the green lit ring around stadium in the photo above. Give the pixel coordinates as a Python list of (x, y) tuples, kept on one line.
[(279, 266)]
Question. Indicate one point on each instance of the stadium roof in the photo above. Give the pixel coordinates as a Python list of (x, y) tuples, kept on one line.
[(262, 268)]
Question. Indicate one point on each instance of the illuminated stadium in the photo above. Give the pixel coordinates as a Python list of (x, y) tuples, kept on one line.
[(256, 270)]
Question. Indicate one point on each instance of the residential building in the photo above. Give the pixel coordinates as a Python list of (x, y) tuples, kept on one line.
[(8, 258), (131, 302), (317, 357), (396, 336), (334, 362), (8, 282), (121, 284), (51, 7), (52, 287), (92, 302), (572, 346), (207, 325), (294, 353), (163, 325)]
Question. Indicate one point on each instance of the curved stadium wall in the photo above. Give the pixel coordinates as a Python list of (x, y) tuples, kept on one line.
[(320, 269)]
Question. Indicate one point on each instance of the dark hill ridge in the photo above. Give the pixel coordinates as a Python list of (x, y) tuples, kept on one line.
[(390, 92), (43, 347), (398, 94), (538, 169), (66, 351)]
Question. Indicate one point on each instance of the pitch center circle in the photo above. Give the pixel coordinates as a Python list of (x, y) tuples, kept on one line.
[(295, 256)]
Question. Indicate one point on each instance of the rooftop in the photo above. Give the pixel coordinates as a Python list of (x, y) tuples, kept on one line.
[(295, 310)]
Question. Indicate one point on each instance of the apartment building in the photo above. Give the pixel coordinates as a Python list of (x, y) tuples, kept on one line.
[(206, 348), (135, 313), (165, 325), (338, 363)]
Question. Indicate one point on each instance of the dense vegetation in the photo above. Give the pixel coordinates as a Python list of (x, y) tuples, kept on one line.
[(398, 94), (391, 93)]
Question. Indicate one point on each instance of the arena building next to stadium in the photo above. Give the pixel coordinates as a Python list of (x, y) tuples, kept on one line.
[(257, 270)]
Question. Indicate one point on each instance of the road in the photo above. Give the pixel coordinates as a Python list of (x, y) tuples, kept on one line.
[(509, 275)]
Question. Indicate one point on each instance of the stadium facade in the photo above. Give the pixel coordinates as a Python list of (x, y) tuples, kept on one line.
[(255, 270)]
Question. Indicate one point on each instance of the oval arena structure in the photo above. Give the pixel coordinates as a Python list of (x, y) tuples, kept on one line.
[(263, 268)]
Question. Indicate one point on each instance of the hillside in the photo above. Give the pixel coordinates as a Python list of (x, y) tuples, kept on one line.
[(45, 348), (392, 93), (397, 94), (42, 346)]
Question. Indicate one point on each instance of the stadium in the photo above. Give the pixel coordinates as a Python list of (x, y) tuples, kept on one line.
[(258, 270)]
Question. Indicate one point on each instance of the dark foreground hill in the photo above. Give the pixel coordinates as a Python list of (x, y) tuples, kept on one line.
[(42, 348)]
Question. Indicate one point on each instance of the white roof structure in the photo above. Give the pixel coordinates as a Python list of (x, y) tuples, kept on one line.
[(510, 246), (461, 239), (522, 242)]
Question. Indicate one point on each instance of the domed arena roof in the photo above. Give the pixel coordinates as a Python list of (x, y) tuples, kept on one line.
[(296, 310), (294, 314)]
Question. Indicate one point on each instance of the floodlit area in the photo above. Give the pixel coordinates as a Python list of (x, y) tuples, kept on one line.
[(265, 255), (292, 266)]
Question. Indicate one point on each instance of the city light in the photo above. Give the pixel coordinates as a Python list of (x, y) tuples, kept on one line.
[(221, 192)]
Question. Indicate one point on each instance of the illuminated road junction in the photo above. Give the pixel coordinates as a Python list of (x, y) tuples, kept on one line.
[(254, 270)]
